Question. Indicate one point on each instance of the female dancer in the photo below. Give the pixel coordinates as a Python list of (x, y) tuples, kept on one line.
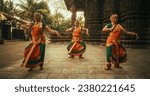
[(34, 53), (115, 52), (76, 47)]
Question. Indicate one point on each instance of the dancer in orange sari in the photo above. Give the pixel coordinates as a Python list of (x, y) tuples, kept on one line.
[(116, 54), (76, 47), (35, 52)]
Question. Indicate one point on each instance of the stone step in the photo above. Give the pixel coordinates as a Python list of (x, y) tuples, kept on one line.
[(131, 41), (105, 37), (99, 35), (104, 40), (63, 40)]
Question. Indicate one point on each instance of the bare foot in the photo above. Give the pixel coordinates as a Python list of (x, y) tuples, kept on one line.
[(117, 66), (106, 69), (81, 57), (41, 68), (30, 70), (71, 56)]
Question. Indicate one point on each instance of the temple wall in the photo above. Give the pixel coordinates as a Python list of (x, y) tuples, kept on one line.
[(134, 15)]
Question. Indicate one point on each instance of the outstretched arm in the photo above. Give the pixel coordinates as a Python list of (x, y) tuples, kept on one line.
[(86, 31), (69, 30), (130, 33), (51, 31)]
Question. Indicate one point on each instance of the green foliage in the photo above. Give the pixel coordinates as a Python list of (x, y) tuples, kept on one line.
[(8, 6), (29, 7), (65, 24), (59, 23), (26, 8)]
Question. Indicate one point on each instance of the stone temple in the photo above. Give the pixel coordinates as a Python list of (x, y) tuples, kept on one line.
[(134, 15)]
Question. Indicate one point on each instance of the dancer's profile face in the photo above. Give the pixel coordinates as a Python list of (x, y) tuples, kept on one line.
[(114, 19), (37, 17), (76, 23)]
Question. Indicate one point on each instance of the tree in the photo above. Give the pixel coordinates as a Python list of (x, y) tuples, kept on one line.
[(29, 7), (26, 8), (59, 21), (8, 6), (58, 5)]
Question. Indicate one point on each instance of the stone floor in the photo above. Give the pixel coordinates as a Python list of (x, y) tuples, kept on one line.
[(59, 66)]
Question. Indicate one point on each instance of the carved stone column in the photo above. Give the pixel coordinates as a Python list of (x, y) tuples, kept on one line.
[(73, 9), (1, 24), (110, 7), (146, 8), (93, 15), (86, 13), (132, 16)]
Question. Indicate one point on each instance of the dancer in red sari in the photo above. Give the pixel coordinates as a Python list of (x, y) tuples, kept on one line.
[(76, 47), (115, 52), (34, 53)]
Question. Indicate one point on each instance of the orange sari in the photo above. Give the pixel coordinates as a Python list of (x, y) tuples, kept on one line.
[(79, 47), (116, 53), (114, 36), (36, 58)]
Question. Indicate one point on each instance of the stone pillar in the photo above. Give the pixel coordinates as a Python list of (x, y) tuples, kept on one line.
[(132, 16), (86, 13), (110, 7), (146, 11), (93, 18), (1, 24), (93, 15), (73, 9)]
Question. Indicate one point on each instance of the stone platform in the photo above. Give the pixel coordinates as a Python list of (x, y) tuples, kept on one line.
[(59, 66)]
